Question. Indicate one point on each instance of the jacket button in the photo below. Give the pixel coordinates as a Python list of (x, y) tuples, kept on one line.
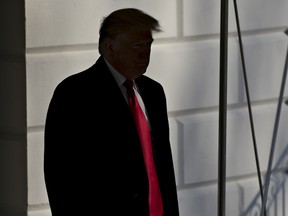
[(135, 195)]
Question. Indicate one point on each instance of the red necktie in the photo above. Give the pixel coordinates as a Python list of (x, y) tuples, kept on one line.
[(155, 200)]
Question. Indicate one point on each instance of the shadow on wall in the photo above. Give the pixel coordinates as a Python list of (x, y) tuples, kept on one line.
[(276, 198)]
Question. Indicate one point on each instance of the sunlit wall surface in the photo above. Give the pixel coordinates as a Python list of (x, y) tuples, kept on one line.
[(61, 39)]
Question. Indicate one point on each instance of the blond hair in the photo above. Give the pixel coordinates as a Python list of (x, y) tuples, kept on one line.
[(122, 20)]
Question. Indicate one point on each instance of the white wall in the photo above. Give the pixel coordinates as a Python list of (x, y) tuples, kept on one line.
[(61, 39)]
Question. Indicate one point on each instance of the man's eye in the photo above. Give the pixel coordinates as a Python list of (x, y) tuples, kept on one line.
[(136, 45)]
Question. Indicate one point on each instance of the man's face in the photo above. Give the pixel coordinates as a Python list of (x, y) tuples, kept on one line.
[(130, 52)]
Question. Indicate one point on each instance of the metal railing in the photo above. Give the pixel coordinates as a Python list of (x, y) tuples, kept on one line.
[(276, 199)]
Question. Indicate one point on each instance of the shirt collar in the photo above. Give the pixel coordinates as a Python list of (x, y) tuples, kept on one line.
[(120, 79)]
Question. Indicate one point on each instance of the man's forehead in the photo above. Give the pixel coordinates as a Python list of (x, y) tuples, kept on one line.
[(135, 34)]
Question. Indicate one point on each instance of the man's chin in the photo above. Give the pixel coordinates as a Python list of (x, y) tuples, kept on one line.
[(142, 71)]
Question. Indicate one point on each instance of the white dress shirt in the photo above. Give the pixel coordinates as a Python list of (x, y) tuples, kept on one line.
[(120, 79)]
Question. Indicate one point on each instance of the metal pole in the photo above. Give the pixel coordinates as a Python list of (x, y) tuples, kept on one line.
[(248, 101), (222, 108)]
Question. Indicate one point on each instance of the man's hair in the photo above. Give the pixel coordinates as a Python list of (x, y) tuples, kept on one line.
[(123, 20)]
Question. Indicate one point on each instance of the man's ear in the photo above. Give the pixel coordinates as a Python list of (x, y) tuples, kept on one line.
[(108, 45)]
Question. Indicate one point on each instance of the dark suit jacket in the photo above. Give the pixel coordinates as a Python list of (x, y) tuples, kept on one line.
[(93, 162)]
